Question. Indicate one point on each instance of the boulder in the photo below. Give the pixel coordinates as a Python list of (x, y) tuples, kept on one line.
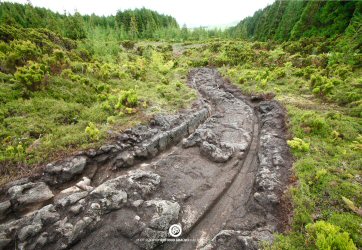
[(29, 231), (84, 184), (144, 181), (71, 199), (124, 159), (46, 215), (66, 170), (167, 212), (110, 194), (30, 193), (214, 153)]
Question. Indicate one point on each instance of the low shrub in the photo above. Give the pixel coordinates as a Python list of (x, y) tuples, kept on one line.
[(298, 145), (92, 131), (315, 124), (128, 98), (325, 236), (32, 76)]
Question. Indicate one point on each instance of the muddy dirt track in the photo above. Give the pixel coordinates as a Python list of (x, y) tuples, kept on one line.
[(218, 170)]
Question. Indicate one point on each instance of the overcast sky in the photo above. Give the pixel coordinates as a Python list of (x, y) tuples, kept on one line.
[(193, 13)]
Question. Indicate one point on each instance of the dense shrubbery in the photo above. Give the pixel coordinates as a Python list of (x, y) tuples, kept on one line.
[(314, 74), (298, 144), (56, 95), (324, 236), (31, 76)]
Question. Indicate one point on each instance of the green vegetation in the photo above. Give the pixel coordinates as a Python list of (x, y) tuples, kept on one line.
[(284, 20), (128, 24), (323, 100), (65, 89), (59, 95)]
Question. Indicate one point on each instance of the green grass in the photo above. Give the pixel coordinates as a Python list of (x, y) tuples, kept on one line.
[(62, 100)]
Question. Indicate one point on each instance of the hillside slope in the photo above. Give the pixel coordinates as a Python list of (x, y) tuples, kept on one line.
[(284, 20)]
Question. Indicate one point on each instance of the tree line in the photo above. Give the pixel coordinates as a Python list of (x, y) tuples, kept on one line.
[(295, 19), (283, 20), (131, 24)]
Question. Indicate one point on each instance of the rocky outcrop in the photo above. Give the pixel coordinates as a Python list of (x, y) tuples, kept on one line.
[(228, 131), (165, 213), (243, 240), (261, 220), (29, 193), (274, 155), (65, 170), (78, 208), (53, 227)]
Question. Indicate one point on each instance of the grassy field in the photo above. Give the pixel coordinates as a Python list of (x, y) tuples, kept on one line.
[(59, 98)]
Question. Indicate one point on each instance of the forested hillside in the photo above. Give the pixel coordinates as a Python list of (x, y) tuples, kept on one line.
[(139, 23), (127, 24), (284, 20)]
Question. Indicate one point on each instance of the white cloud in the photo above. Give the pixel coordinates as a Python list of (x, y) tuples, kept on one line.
[(190, 12)]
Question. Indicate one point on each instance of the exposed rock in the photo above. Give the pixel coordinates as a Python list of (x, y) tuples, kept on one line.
[(124, 159), (110, 194), (76, 209), (79, 229), (71, 190), (198, 118), (214, 153), (64, 227), (12, 226), (137, 203), (129, 224), (4, 241), (199, 136), (71, 199), (227, 133), (46, 215), (110, 148), (179, 132), (265, 199), (29, 231), (144, 181), (41, 241), (164, 121), (244, 240), (4, 207), (66, 170), (141, 152), (17, 182), (164, 139), (34, 223), (30, 193), (150, 234), (85, 184), (167, 211)]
